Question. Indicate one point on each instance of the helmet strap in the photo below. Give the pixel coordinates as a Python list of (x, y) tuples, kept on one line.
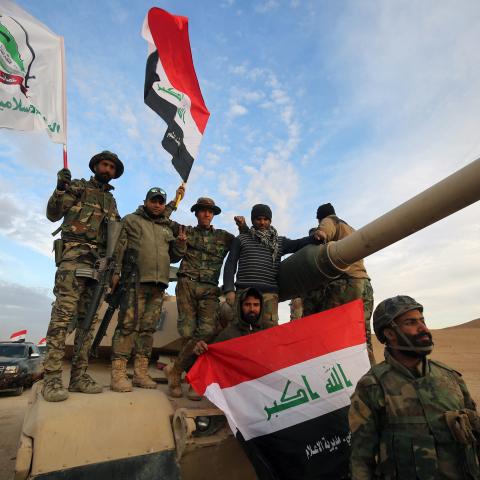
[(410, 347)]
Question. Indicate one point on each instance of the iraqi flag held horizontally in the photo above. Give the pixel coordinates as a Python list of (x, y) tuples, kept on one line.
[(171, 87), (32, 81), (287, 390), (18, 336)]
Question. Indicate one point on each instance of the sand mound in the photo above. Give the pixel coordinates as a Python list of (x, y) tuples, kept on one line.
[(472, 324)]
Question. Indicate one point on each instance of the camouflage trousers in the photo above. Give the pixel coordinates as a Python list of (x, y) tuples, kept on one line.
[(296, 308), (73, 295), (269, 308), (344, 290), (197, 305), (137, 321)]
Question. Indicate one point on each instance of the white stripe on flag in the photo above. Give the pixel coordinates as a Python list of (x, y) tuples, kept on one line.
[(246, 404)]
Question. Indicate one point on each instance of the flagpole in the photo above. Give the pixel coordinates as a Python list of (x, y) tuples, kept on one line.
[(64, 94), (65, 157), (179, 199)]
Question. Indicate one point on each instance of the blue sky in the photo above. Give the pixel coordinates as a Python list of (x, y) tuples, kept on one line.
[(363, 104)]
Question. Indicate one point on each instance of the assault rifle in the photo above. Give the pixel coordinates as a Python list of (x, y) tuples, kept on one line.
[(105, 268), (119, 297)]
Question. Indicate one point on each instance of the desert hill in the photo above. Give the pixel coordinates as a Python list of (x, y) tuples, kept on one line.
[(472, 324)]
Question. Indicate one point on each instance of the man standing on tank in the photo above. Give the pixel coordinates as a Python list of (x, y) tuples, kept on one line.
[(411, 417), (86, 207), (257, 254), (352, 284), (197, 287), (148, 243)]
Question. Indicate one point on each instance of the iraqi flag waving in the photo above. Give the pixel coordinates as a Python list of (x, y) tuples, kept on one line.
[(18, 336), (286, 391), (171, 87)]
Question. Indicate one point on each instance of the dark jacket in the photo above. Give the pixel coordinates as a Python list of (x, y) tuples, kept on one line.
[(256, 268)]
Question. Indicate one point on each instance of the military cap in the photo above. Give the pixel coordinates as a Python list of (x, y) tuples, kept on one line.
[(389, 310), (106, 155), (156, 192), (208, 203)]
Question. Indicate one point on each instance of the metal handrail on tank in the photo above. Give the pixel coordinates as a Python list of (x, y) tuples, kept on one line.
[(314, 265)]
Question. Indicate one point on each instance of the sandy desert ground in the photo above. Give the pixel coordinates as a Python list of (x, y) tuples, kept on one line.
[(458, 347)]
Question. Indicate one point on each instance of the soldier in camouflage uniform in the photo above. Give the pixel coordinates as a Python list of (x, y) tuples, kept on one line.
[(197, 288), (146, 247), (354, 283), (86, 207), (411, 417)]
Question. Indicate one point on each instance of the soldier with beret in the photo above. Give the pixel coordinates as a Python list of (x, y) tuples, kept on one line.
[(411, 417), (86, 207), (197, 287)]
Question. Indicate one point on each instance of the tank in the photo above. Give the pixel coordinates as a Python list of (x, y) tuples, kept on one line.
[(145, 434), (314, 265)]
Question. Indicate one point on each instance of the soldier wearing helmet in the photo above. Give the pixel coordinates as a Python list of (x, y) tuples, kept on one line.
[(411, 417), (86, 207)]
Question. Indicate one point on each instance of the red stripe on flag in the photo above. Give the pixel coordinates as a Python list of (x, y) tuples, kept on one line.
[(18, 334), (170, 34), (253, 356)]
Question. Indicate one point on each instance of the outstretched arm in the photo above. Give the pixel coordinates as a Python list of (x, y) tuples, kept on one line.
[(231, 266)]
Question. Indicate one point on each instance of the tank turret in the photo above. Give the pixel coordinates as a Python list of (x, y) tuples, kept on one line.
[(311, 267)]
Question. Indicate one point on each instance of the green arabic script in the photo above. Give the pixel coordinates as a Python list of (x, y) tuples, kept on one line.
[(16, 104), (171, 91), (290, 401), (334, 383)]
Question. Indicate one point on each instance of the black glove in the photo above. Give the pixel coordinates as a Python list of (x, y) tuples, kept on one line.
[(64, 177)]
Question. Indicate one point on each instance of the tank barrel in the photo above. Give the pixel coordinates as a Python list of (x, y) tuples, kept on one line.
[(448, 196)]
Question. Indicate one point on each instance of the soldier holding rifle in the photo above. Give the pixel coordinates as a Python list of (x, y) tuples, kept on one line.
[(86, 206), (149, 242)]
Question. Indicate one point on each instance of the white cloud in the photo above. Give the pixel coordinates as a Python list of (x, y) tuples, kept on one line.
[(237, 110), (266, 6)]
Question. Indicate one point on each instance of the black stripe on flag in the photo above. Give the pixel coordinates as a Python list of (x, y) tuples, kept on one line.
[(317, 449), (173, 139)]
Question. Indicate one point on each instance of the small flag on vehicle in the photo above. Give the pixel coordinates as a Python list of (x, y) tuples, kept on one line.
[(18, 336), (43, 341), (171, 87)]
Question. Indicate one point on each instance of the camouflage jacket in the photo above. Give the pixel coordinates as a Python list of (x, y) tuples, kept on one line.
[(398, 425), (335, 229), (206, 250), (155, 243), (86, 207)]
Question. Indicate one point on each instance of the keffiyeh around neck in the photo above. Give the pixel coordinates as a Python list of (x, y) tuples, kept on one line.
[(268, 237)]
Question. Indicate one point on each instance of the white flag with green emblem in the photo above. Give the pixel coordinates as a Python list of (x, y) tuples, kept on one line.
[(32, 86)]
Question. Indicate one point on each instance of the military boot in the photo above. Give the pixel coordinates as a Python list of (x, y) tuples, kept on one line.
[(53, 389), (141, 378), (174, 377), (120, 381), (81, 381), (193, 395)]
